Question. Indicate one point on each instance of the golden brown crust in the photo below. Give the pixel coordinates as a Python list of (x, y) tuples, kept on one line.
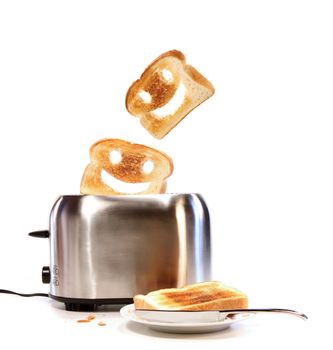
[(160, 91), (201, 296), (139, 301), (199, 78), (129, 168)]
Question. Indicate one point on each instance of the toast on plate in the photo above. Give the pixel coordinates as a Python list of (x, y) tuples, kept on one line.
[(211, 295)]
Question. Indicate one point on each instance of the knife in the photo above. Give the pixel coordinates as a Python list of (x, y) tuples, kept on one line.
[(176, 316)]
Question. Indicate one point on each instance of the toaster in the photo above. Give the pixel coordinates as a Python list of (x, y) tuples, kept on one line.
[(106, 249)]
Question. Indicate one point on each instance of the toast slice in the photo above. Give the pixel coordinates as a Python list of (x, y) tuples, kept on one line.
[(166, 92), (211, 295), (121, 167)]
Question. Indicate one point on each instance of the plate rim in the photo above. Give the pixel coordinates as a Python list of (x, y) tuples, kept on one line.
[(130, 308)]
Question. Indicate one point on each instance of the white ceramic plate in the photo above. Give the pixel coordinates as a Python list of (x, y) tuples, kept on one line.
[(128, 312)]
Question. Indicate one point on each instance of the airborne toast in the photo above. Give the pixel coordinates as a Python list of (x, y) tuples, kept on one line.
[(166, 92), (118, 163), (200, 296)]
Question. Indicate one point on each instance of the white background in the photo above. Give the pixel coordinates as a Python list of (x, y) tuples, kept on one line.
[(259, 151)]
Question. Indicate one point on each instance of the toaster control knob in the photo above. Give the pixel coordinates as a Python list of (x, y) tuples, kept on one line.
[(46, 275)]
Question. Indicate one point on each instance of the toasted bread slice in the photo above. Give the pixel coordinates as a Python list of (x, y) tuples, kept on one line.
[(166, 92), (121, 167), (211, 295)]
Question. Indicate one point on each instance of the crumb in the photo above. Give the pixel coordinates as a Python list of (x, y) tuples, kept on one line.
[(101, 323), (83, 321), (88, 319)]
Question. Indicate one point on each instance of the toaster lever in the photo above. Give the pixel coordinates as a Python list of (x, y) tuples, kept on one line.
[(40, 234)]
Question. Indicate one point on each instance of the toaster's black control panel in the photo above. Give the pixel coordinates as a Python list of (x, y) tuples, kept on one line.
[(46, 275)]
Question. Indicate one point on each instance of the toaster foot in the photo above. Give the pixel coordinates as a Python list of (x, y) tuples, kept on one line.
[(80, 307)]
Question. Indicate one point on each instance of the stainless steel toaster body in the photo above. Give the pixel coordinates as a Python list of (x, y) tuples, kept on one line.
[(108, 249)]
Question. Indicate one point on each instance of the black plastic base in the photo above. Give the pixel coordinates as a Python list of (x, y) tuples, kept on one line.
[(77, 304), (80, 307)]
